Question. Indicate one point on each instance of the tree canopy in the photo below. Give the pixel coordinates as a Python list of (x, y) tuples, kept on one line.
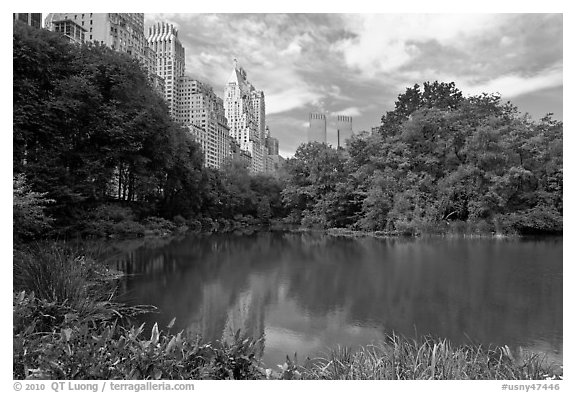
[(439, 160)]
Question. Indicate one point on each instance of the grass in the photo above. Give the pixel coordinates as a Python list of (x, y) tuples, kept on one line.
[(401, 358)]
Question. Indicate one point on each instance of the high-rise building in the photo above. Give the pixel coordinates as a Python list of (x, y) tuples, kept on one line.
[(122, 32), (71, 30), (343, 129), (273, 160), (170, 58), (245, 110), (272, 146), (199, 109), (317, 128), (34, 20)]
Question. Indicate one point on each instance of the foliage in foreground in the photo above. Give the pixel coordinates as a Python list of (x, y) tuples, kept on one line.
[(74, 349), (428, 358), (66, 325)]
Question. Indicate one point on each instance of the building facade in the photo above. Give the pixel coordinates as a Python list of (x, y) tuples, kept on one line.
[(71, 30), (170, 59), (238, 154), (122, 32), (317, 128), (343, 129), (273, 162), (199, 109), (34, 20), (245, 110)]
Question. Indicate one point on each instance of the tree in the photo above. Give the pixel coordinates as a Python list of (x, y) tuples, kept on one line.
[(29, 217), (313, 174)]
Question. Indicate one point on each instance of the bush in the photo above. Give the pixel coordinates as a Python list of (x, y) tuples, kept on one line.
[(73, 349), (312, 220), (538, 220), (179, 220), (55, 273), (159, 225), (29, 218), (67, 276), (206, 224), (194, 225), (111, 220)]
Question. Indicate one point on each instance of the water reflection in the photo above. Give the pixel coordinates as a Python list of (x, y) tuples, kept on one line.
[(307, 292)]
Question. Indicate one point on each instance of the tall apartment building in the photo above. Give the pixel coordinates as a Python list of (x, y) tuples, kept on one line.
[(34, 20), (199, 109), (273, 159), (245, 110), (272, 146), (170, 58), (71, 30), (120, 32), (317, 128), (259, 105), (343, 129)]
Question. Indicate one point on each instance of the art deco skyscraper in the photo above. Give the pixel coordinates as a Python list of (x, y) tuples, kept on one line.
[(317, 128), (170, 58), (244, 109)]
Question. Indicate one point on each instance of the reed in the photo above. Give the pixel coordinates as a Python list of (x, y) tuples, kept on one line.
[(429, 358)]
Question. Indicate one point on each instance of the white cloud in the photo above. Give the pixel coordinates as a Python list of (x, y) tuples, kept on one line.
[(293, 49), (383, 41), (352, 111), (515, 85), (510, 85), (288, 99)]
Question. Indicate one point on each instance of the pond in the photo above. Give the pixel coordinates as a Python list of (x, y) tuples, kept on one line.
[(308, 292)]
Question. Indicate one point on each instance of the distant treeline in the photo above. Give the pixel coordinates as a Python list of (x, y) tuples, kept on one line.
[(96, 153), (440, 163)]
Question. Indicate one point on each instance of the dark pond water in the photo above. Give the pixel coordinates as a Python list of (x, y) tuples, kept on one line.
[(308, 292)]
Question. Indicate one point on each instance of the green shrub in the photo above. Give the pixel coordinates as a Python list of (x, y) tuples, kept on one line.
[(179, 220), (159, 225), (74, 349), (206, 224), (112, 220), (29, 218), (194, 225), (538, 220)]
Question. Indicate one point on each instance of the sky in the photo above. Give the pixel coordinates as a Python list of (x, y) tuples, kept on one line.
[(358, 64)]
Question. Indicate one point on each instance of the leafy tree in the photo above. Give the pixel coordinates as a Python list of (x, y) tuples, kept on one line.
[(29, 217), (313, 175)]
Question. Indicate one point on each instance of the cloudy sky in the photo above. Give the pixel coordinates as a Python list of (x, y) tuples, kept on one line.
[(357, 64)]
